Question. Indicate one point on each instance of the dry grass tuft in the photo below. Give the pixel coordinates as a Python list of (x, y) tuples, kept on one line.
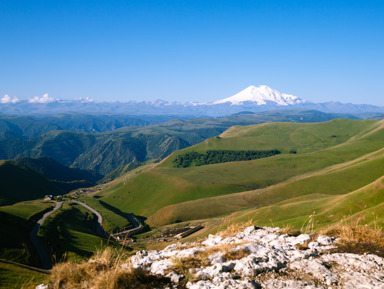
[(309, 225), (233, 229), (289, 275), (290, 231), (30, 284), (235, 255), (183, 246), (133, 278), (182, 265), (305, 245), (107, 269), (200, 259), (357, 238)]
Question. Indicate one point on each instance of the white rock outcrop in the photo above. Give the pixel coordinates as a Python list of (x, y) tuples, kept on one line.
[(262, 258), (269, 260)]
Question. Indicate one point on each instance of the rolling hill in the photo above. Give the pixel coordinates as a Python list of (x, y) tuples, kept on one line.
[(71, 233), (319, 162), (63, 177), (19, 183), (106, 151), (16, 222)]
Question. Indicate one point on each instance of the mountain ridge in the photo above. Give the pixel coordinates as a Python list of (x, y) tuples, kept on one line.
[(253, 98)]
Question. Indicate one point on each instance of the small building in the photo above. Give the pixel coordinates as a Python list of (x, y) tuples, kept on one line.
[(48, 197)]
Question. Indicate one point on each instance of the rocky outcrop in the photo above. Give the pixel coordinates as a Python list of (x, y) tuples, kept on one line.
[(263, 258), (253, 258)]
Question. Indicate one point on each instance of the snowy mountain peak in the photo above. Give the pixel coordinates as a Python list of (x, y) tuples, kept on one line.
[(261, 95)]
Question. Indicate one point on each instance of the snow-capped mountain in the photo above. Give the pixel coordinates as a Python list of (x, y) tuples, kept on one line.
[(261, 95), (252, 99)]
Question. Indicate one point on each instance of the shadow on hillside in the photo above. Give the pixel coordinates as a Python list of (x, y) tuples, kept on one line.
[(14, 242)]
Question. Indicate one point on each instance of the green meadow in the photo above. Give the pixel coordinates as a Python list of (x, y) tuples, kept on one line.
[(166, 194), (301, 193), (113, 218), (27, 209), (364, 205)]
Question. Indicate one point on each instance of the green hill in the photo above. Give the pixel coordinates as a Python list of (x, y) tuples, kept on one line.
[(102, 144), (167, 194), (305, 194), (53, 170), (18, 183), (364, 205), (286, 137), (16, 221), (71, 233), (63, 177)]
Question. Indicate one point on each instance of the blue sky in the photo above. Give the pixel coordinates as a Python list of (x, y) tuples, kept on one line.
[(192, 50)]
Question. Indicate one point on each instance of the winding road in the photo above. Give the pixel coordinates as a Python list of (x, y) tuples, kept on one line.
[(45, 256), (138, 225), (42, 250), (99, 228)]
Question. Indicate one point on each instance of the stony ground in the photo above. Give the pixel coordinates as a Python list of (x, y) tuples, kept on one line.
[(262, 258), (253, 258)]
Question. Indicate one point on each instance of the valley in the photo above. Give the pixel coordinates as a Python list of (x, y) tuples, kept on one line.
[(319, 174), (102, 152), (201, 187)]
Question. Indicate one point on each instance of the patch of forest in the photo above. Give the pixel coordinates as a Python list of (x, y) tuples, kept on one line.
[(192, 159)]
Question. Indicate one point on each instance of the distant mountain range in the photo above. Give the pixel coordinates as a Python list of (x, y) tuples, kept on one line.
[(102, 145), (253, 98)]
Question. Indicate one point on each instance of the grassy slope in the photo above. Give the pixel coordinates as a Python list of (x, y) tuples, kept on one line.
[(112, 218), (366, 203), (27, 209), (331, 181), (303, 137), (333, 143), (13, 275), (76, 231), (112, 221), (17, 183), (15, 226), (14, 243), (364, 206)]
